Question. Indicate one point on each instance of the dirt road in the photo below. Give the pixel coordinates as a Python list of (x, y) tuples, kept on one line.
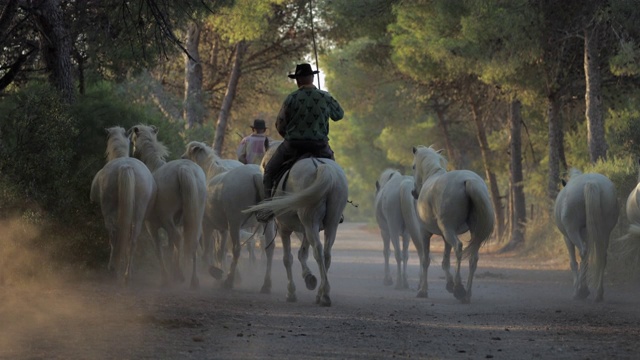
[(520, 309)]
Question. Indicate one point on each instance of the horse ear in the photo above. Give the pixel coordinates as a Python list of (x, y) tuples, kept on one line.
[(414, 149), (377, 186), (154, 129), (564, 182)]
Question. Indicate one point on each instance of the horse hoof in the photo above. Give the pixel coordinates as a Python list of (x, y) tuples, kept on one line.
[(460, 293), (291, 298), (310, 281), (582, 294), (228, 283), (195, 284), (216, 272), (388, 282), (450, 286), (323, 300), (422, 294)]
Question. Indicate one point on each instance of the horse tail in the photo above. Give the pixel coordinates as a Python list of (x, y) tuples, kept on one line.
[(326, 178), (191, 209), (126, 206), (409, 215), (596, 236), (481, 216)]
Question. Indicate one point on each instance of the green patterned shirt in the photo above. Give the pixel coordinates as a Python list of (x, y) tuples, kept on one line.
[(305, 114)]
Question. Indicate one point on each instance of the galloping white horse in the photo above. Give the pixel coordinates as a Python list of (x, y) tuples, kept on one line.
[(182, 192), (396, 216), (126, 191), (229, 193), (213, 165), (310, 199), (449, 204), (586, 211)]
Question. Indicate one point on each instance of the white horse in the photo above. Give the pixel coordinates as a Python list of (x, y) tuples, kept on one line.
[(309, 199), (630, 242), (396, 215), (126, 191), (214, 244), (229, 193), (449, 204), (586, 211), (182, 192)]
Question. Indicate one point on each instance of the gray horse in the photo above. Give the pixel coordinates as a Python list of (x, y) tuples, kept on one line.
[(586, 211), (126, 191), (396, 215), (228, 194), (182, 191), (309, 200)]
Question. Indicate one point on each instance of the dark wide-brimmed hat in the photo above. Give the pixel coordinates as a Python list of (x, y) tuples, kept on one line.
[(303, 70), (258, 124)]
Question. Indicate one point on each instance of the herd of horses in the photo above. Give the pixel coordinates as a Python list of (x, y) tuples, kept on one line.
[(203, 201)]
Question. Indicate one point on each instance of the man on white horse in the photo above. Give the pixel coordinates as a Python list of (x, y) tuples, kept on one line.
[(303, 122)]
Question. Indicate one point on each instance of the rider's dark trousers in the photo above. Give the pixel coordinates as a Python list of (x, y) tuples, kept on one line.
[(291, 149)]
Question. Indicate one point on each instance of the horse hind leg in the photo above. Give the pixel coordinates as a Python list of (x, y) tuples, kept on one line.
[(310, 280), (459, 291), (386, 252), (473, 266), (574, 240), (446, 266)]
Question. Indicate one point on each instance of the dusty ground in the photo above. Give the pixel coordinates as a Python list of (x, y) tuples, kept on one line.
[(519, 310)]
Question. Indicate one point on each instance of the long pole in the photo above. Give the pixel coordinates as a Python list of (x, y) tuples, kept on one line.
[(313, 36)]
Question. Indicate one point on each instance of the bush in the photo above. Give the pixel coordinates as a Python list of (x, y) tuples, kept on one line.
[(49, 154)]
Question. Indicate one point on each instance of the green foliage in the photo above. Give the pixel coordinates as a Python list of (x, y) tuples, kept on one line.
[(49, 155)]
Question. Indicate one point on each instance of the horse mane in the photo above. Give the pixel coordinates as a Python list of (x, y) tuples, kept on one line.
[(386, 175), (117, 143), (152, 152), (430, 161), (574, 172)]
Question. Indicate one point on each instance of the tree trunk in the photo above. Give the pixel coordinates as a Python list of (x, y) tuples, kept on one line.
[(517, 200), (225, 109), (55, 46), (491, 177), (444, 126), (593, 96), (193, 103), (555, 144)]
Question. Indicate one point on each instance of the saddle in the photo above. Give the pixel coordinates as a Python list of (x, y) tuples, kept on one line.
[(283, 174)]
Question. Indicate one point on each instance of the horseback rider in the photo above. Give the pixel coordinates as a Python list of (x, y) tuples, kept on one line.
[(303, 122), (252, 147)]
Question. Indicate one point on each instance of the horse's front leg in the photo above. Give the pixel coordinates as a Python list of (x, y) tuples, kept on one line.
[(386, 252), (397, 253), (405, 260), (425, 261), (287, 259), (270, 244), (236, 248)]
